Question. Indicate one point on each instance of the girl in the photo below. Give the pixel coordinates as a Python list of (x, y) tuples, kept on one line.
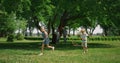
[(84, 40), (45, 40)]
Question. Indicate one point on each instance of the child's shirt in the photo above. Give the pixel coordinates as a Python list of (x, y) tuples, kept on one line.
[(84, 37), (44, 35)]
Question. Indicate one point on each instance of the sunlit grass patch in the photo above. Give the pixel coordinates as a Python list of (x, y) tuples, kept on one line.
[(27, 52)]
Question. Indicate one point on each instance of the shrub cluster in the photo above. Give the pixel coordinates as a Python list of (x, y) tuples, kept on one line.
[(101, 38), (33, 38), (19, 36), (104, 38), (10, 38)]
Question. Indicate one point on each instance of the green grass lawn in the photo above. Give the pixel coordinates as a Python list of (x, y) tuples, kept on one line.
[(27, 52)]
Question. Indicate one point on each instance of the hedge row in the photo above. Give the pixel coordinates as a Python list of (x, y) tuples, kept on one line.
[(33, 38), (104, 38), (40, 38), (89, 38)]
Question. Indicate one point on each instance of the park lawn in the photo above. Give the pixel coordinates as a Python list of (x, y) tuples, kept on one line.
[(27, 52)]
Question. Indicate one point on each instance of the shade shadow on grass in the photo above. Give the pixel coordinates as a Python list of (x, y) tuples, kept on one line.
[(99, 45), (69, 46), (60, 46), (29, 46)]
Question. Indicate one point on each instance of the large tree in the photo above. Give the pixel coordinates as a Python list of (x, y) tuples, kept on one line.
[(57, 14), (109, 16), (69, 11), (7, 24)]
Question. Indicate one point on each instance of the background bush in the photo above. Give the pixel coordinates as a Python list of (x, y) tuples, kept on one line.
[(19, 36), (10, 38), (91, 38)]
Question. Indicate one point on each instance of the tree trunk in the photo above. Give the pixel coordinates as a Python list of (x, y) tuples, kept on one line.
[(118, 32), (30, 33), (73, 32), (53, 36), (38, 34), (105, 32), (2, 34), (23, 32), (53, 30), (63, 22), (26, 33), (69, 31), (92, 31), (49, 27)]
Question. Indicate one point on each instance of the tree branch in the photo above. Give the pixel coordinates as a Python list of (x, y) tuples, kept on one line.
[(74, 17)]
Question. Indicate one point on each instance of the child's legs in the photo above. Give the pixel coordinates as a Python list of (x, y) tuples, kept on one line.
[(49, 46), (43, 44), (47, 43), (84, 45), (42, 48), (52, 47)]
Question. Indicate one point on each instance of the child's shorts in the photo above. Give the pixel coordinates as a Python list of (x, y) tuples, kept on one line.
[(46, 41), (84, 44)]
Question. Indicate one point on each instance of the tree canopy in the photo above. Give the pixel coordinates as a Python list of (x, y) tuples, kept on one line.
[(60, 13)]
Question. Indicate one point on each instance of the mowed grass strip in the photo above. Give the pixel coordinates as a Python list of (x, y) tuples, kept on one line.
[(99, 52)]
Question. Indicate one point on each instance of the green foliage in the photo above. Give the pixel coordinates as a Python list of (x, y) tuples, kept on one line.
[(42, 9), (12, 6), (110, 12), (90, 38), (19, 36), (74, 13), (33, 38), (21, 24), (7, 24), (104, 38), (11, 23), (10, 38), (16, 6), (97, 38)]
